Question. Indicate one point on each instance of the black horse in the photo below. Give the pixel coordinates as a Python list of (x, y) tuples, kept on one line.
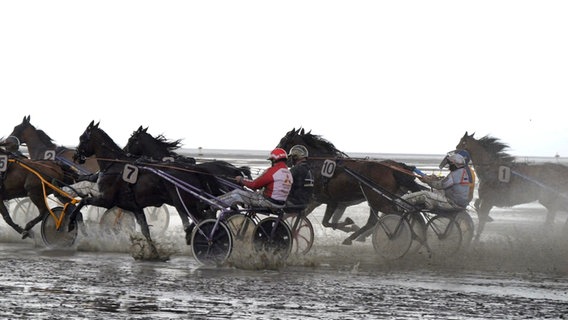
[(504, 182), (143, 144), (343, 190), (144, 189)]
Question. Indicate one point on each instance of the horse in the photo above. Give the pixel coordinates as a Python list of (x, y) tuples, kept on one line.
[(143, 144), (343, 190), (504, 182), (22, 177), (148, 189), (41, 147)]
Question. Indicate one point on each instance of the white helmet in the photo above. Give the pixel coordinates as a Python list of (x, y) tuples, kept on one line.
[(460, 152), (457, 159), (298, 151)]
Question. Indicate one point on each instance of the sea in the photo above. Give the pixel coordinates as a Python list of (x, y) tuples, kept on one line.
[(518, 270)]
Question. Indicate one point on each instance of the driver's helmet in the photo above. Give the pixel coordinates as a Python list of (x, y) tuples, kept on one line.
[(459, 158), (298, 151), (278, 154), (465, 155), (12, 144)]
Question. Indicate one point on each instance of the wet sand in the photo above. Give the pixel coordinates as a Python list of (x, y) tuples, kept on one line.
[(519, 270)]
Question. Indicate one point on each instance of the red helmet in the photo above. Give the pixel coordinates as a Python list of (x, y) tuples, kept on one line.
[(278, 154)]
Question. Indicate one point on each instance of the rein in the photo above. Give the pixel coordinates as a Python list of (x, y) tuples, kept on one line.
[(416, 174), (157, 165)]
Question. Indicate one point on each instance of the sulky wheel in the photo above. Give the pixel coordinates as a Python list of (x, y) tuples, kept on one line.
[(158, 219), (212, 242), (242, 229), (302, 233), (118, 220), (392, 236), (24, 211), (273, 237), (417, 223), (443, 236), (467, 228), (58, 237)]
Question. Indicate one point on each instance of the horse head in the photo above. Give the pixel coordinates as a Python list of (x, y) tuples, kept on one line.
[(95, 141), (485, 150), (36, 140), (85, 148), (466, 141), (316, 145), (141, 143), (21, 131)]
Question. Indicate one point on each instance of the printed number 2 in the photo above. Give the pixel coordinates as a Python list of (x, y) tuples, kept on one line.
[(130, 173)]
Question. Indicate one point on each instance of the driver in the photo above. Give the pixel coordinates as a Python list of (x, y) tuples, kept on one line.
[(448, 194), (274, 183), (303, 186)]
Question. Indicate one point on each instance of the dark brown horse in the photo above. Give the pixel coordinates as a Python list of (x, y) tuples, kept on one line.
[(21, 177), (343, 190), (41, 147), (147, 188), (504, 182)]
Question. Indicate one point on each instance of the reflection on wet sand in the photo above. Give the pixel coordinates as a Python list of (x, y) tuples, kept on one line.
[(519, 270)]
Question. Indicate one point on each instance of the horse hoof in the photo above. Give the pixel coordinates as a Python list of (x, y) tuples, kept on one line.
[(347, 242), (349, 221), (361, 239), (27, 234), (188, 238)]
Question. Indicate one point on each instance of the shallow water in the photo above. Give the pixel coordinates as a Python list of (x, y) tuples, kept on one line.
[(518, 270)]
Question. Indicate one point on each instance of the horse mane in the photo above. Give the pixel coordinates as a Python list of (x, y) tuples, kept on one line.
[(496, 147), (108, 139), (317, 142), (44, 138), (169, 145)]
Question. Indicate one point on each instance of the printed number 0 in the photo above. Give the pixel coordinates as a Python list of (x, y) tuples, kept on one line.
[(328, 168)]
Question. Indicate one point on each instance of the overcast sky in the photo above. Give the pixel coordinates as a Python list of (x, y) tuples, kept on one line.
[(369, 76)]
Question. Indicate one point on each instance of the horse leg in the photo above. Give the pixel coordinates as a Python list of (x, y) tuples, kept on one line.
[(336, 216), (483, 218), (330, 211), (477, 205), (76, 211), (185, 222), (141, 219), (8, 219), (26, 233), (364, 231)]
